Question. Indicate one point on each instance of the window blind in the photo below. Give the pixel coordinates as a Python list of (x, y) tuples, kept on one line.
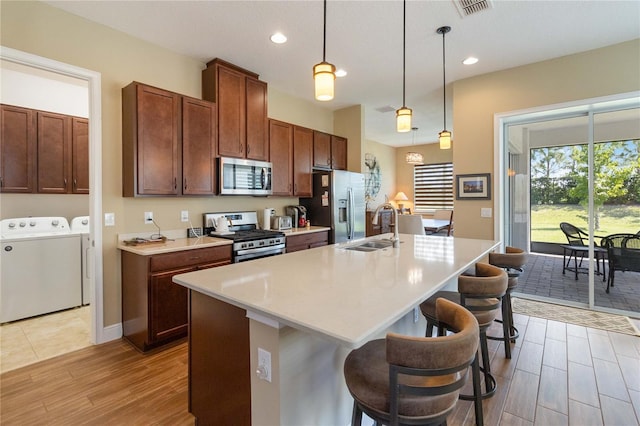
[(433, 187)]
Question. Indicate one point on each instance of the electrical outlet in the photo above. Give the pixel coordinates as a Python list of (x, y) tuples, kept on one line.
[(148, 217), (485, 212), (264, 365), (184, 216)]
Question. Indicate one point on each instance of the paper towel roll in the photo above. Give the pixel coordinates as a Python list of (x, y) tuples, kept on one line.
[(266, 218)]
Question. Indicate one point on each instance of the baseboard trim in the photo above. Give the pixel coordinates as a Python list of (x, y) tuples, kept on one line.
[(112, 332)]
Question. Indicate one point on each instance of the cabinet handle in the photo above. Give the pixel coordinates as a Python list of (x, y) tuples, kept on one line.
[(295, 188), (175, 183), (241, 147), (1, 182), (65, 183), (75, 183), (248, 148), (185, 183)]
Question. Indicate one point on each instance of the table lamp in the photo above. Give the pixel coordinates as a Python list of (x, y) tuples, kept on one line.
[(401, 196)]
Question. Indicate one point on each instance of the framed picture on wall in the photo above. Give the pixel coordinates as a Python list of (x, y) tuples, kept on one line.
[(473, 187)]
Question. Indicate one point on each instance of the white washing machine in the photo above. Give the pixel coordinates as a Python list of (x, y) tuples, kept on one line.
[(40, 267), (80, 225)]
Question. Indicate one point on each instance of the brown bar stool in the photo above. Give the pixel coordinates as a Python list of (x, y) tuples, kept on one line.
[(413, 380), (481, 295), (512, 260)]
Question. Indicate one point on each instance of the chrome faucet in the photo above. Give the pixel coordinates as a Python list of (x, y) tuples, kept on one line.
[(396, 238)]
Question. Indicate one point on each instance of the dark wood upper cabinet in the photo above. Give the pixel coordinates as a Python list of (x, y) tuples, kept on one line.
[(54, 153), (241, 99), (198, 147), (302, 161), (281, 154), (17, 149), (338, 153), (80, 155), (329, 151), (257, 137), (321, 149)]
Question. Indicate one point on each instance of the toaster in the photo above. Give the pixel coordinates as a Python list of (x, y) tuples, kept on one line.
[(280, 223)]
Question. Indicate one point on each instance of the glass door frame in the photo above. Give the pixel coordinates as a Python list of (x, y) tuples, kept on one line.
[(589, 108)]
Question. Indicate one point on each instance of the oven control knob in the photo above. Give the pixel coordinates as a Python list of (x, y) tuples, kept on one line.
[(85, 221), (23, 224), (12, 225), (243, 245), (55, 222), (32, 223), (261, 243)]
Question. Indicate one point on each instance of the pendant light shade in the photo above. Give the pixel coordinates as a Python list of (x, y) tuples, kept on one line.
[(444, 137), (414, 157), (324, 73), (403, 115), (324, 76)]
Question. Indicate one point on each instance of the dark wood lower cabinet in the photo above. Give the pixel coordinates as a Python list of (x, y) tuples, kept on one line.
[(154, 308), (219, 362), (307, 241)]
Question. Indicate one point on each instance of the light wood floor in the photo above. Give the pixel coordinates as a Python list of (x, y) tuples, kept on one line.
[(560, 374)]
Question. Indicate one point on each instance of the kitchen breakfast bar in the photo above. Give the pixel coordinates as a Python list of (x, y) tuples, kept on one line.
[(308, 310)]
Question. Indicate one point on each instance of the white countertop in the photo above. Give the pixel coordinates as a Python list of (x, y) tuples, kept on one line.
[(172, 245), (346, 295)]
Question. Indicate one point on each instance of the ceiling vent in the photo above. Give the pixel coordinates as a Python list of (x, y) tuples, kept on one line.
[(469, 7), (387, 108)]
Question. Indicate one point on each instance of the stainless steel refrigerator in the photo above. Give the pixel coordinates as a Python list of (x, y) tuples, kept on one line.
[(338, 203)]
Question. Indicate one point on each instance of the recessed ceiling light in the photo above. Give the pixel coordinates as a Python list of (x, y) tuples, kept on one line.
[(278, 38), (341, 73), (470, 60)]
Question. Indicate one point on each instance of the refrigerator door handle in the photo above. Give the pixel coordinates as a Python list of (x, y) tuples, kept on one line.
[(350, 212)]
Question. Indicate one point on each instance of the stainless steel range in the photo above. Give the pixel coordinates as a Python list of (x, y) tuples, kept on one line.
[(249, 242)]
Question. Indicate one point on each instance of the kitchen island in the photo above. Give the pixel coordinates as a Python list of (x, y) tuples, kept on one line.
[(308, 310)]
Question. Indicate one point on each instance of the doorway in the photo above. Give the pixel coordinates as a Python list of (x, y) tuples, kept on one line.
[(93, 82), (575, 164)]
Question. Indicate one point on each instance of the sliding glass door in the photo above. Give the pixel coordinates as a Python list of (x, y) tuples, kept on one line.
[(571, 177)]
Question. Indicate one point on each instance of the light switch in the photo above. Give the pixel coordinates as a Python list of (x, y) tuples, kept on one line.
[(485, 212), (109, 219)]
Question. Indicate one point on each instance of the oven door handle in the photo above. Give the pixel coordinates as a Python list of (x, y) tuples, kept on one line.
[(259, 249)]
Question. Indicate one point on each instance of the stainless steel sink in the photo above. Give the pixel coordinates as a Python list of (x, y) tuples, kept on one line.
[(371, 245)]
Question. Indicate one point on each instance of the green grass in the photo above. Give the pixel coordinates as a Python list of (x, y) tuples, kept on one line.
[(545, 221)]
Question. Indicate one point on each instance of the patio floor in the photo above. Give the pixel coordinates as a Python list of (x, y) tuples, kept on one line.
[(543, 277)]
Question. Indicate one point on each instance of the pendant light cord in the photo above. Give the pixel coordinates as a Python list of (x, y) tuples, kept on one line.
[(444, 84), (324, 33), (404, 48)]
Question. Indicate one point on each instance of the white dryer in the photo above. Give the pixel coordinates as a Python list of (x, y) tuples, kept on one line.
[(80, 225), (40, 267)]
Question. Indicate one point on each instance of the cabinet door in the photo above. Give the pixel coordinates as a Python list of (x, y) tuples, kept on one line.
[(198, 147), (257, 140), (281, 154), (157, 144), (80, 155), (302, 161), (230, 99), (338, 153), (321, 149), (168, 306), (54, 153), (17, 149)]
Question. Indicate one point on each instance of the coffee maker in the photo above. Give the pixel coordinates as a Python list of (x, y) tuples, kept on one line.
[(298, 215)]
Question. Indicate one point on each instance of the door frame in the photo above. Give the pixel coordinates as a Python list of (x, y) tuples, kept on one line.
[(93, 78)]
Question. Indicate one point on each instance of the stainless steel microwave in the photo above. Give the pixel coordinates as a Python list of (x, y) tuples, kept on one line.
[(244, 177)]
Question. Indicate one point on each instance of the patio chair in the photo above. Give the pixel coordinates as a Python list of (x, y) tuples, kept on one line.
[(623, 252), (579, 247)]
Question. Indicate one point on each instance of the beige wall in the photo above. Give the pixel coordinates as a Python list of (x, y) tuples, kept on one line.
[(607, 71), (386, 160), (42, 30), (349, 123), (431, 153)]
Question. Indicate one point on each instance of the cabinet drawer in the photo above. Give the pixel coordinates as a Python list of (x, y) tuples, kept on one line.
[(308, 239), (167, 261)]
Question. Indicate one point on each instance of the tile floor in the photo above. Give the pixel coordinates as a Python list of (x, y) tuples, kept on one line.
[(32, 340)]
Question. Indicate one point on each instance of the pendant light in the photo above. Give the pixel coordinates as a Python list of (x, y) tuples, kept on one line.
[(403, 115), (414, 157), (324, 73), (444, 136)]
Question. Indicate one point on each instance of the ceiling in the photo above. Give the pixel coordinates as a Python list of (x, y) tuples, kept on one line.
[(365, 38)]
